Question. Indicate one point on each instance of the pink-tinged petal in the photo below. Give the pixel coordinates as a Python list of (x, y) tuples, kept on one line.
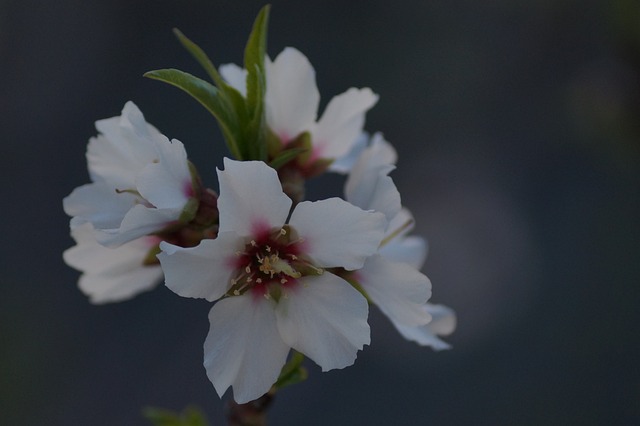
[(111, 275), (204, 271), (325, 318), (243, 348), (251, 198), (292, 97), (164, 183), (235, 77), (399, 290), (337, 233), (342, 122), (411, 250), (100, 204), (443, 323)]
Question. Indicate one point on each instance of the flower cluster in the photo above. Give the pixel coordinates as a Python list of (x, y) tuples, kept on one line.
[(284, 273)]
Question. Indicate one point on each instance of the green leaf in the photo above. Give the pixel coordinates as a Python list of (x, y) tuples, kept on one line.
[(209, 96), (201, 57), (293, 372), (254, 54), (191, 416)]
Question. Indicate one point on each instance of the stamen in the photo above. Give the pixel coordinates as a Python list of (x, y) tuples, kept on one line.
[(396, 232), (248, 269), (253, 243), (299, 240), (268, 249)]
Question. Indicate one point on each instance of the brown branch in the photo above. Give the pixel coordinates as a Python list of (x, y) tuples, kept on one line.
[(253, 413)]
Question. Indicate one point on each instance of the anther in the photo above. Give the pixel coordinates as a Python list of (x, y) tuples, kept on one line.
[(248, 269), (253, 243)]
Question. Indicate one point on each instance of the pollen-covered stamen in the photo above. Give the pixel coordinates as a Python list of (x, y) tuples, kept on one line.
[(269, 262)]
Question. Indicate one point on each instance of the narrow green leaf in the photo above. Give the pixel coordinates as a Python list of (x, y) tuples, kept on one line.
[(256, 129), (254, 55), (201, 57), (255, 52), (209, 96)]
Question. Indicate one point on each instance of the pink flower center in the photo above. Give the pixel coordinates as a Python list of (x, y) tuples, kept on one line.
[(271, 261)]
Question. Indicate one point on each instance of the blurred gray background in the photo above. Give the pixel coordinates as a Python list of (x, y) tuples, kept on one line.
[(518, 131)]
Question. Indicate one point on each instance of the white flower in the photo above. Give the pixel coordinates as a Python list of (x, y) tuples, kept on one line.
[(276, 293), (292, 100), (111, 274), (391, 278), (141, 181)]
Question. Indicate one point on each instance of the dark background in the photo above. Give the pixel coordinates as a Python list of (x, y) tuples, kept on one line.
[(518, 131)]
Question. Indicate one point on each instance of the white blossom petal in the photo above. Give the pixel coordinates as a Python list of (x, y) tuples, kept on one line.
[(411, 250), (111, 275), (243, 348), (204, 271), (126, 144), (99, 204), (139, 221), (368, 185), (141, 180), (325, 318), (167, 182), (345, 163), (251, 197), (337, 233), (341, 123), (235, 76), (399, 290), (370, 188), (291, 98), (443, 323)]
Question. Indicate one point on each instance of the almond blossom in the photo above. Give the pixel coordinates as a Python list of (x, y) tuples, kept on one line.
[(271, 277), (292, 100), (391, 278), (141, 182), (112, 274)]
